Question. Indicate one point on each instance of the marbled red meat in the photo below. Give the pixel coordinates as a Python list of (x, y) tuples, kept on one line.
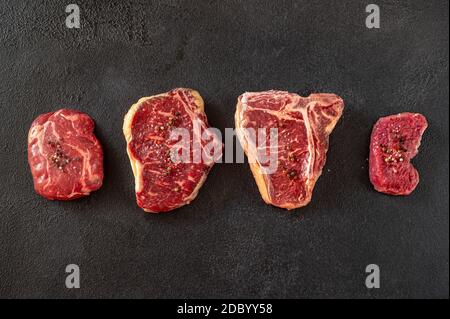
[(303, 125), (394, 142), (162, 184), (65, 157)]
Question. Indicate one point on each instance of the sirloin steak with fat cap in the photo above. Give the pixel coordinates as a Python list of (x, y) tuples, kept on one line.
[(162, 184), (65, 157), (394, 142), (303, 125)]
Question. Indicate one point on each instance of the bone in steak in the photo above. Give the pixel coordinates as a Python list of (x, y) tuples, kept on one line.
[(65, 157), (162, 184), (395, 141), (304, 125)]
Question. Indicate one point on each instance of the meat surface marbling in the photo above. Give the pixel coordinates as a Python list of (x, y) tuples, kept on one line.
[(304, 125), (65, 157), (395, 140)]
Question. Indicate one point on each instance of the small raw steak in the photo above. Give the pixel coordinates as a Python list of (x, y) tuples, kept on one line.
[(65, 157), (303, 126), (395, 141), (163, 183)]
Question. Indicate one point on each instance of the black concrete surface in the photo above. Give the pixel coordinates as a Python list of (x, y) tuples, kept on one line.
[(227, 243)]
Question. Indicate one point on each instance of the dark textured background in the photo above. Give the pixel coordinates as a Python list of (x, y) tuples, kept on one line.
[(227, 243)]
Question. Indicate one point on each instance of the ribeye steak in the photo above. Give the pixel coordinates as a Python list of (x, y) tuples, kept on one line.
[(162, 184), (65, 157), (304, 125), (395, 141)]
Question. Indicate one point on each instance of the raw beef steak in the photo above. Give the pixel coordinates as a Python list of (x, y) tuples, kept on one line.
[(65, 157), (303, 126), (162, 183), (395, 141)]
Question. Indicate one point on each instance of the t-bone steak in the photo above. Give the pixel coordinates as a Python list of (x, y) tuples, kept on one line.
[(162, 183), (395, 141), (65, 157), (303, 126)]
